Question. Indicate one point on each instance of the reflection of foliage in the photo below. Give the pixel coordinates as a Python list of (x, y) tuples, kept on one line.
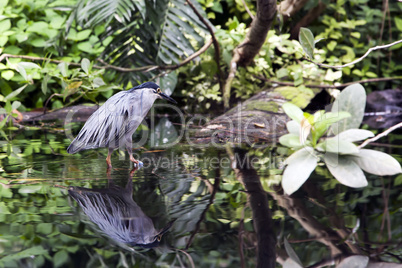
[(41, 222), (344, 160)]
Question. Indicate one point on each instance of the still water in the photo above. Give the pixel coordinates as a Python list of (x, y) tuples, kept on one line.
[(187, 207)]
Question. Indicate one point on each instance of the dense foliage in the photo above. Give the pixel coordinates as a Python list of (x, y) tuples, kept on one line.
[(73, 30)]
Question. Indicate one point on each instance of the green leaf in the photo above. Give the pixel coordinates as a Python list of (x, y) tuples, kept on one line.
[(306, 39), (300, 96), (377, 163), (168, 83), (8, 74), (322, 122), (29, 65), (3, 122), (293, 127), (319, 40), (337, 146), (85, 46), (85, 63), (345, 170), (398, 23), (27, 253), (291, 253), (38, 42), (4, 25), (331, 45), (45, 80), (63, 67), (15, 93), (60, 258), (352, 100), (39, 27), (15, 105), (44, 228), (82, 35), (293, 111), (299, 167), (98, 82), (22, 72), (290, 140), (357, 261), (354, 134)]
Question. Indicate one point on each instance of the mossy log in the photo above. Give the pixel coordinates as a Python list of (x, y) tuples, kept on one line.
[(259, 119)]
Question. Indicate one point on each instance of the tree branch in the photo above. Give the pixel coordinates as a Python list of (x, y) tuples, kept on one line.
[(245, 52), (383, 134), (107, 66), (214, 40), (358, 60)]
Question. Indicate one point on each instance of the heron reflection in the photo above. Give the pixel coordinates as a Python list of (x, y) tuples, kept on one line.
[(117, 215)]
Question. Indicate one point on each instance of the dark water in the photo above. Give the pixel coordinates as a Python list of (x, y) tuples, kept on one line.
[(224, 205)]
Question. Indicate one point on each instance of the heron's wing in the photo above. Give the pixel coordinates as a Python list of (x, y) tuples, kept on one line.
[(107, 125)]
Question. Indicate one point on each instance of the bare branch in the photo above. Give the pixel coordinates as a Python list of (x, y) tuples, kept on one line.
[(383, 134), (358, 60), (247, 9)]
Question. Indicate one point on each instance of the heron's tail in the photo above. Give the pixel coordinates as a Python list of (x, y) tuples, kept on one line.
[(74, 147)]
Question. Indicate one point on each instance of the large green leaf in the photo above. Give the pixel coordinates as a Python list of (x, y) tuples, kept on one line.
[(337, 146), (158, 32), (355, 134), (299, 167), (357, 261), (290, 140), (352, 100), (345, 170), (306, 39), (377, 163), (291, 253), (293, 111), (323, 122), (15, 93)]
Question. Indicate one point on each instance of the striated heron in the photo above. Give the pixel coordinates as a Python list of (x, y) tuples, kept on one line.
[(114, 123)]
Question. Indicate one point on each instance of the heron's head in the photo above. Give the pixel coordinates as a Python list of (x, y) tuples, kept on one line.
[(155, 89)]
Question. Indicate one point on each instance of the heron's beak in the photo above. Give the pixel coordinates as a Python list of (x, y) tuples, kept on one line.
[(166, 97)]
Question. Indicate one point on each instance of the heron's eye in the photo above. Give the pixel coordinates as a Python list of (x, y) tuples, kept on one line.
[(159, 91), (158, 237)]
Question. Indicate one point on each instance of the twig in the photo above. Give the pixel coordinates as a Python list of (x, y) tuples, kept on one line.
[(214, 40), (370, 80), (156, 174), (204, 212), (117, 68), (229, 80), (383, 134), (247, 9), (358, 60), (188, 256)]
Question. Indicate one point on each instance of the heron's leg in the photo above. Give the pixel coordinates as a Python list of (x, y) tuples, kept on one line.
[(133, 171), (130, 152), (108, 159), (129, 144)]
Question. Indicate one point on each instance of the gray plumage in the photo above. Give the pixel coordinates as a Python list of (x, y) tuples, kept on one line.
[(114, 123), (117, 215)]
